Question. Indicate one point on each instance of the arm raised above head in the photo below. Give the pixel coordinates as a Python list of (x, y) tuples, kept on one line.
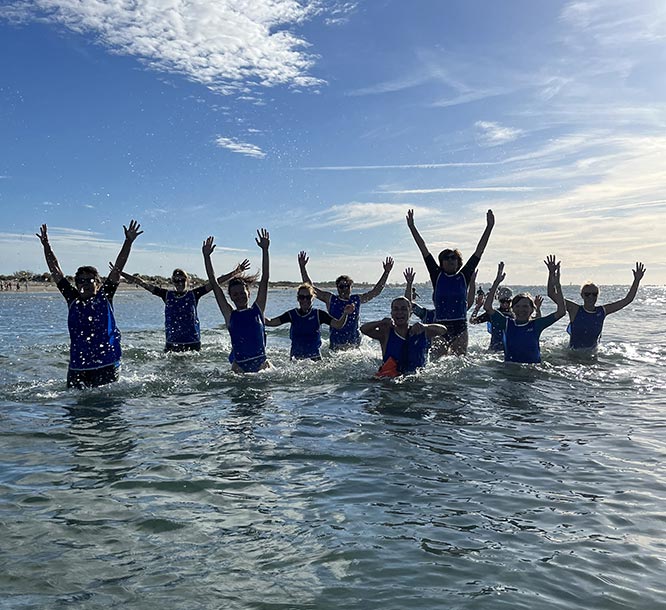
[(423, 249), (263, 241), (376, 290), (51, 260), (639, 272), (322, 295), (554, 285), (485, 236), (131, 233), (207, 250), (490, 297)]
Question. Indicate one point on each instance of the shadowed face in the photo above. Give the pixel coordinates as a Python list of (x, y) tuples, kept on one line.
[(523, 309), (449, 261), (344, 289), (87, 285), (590, 293), (239, 295), (180, 282), (304, 300), (400, 311)]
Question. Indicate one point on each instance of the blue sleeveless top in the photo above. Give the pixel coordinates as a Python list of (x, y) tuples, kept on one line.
[(305, 334), (410, 353), (450, 297), (586, 327), (349, 334), (497, 334), (521, 341), (181, 321), (248, 337), (94, 336)]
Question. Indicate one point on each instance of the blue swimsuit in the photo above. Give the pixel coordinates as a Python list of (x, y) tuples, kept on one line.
[(521, 341), (585, 329), (305, 334), (181, 321), (349, 334), (410, 353), (248, 338)]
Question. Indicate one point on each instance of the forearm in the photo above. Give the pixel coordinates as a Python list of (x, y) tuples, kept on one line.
[(339, 322), (121, 260), (483, 242), (419, 241), (490, 297), (52, 263)]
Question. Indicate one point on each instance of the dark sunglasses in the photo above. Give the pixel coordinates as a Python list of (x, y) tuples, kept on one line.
[(344, 286), (590, 294), (304, 297), (178, 280)]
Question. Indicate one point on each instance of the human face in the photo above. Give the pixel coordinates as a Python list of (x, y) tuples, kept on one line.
[(87, 285), (590, 295), (239, 295), (523, 310), (180, 282), (344, 289), (449, 262), (505, 304), (304, 300), (400, 312)]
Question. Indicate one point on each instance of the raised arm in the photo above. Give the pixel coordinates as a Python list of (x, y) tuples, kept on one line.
[(554, 285), (135, 279), (322, 295), (572, 308), (409, 286), (342, 320), (263, 241), (538, 302), (131, 233), (490, 297), (207, 249), (638, 272), (379, 286), (51, 260), (416, 235), (471, 290), (240, 268), (483, 242)]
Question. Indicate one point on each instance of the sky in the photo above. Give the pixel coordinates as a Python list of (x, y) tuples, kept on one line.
[(325, 121)]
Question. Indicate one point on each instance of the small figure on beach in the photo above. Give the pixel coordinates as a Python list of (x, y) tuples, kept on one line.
[(586, 321), (181, 320), (450, 281), (245, 323), (521, 332), (347, 337), (306, 321), (404, 347), (95, 352)]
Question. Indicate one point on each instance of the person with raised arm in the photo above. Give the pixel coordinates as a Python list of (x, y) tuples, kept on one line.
[(94, 352), (450, 281), (404, 347), (306, 321), (348, 336), (181, 320), (245, 324), (521, 333), (586, 321)]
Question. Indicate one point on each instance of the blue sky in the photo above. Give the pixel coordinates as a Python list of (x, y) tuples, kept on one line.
[(324, 122)]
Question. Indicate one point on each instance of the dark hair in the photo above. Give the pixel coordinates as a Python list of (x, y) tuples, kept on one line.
[(343, 278), (243, 280), (523, 295), (88, 270), (448, 252)]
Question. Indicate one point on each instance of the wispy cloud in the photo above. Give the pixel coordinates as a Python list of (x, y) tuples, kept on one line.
[(344, 168), (224, 45), (465, 189), (243, 148), (493, 134), (356, 216)]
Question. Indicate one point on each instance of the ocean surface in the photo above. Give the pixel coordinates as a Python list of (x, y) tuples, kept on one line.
[(473, 484)]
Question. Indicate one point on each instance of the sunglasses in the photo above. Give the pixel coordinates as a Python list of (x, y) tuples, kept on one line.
[(304, 297), (178, 280), (344, 286), (449, 257), (85, 280), (590, 294), (504, 300)]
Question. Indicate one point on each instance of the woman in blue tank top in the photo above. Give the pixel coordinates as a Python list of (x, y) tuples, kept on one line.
[(245, 324), (450, 281), (522, 332), (305, 333), (586, 321), (94, 354)]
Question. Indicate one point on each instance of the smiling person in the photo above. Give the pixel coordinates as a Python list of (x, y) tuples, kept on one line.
[(450, 282), (181, 321), (245, 324), (404, 347), (94, 353), (348, 336), (306, 321), (586, 321), (521, 332)]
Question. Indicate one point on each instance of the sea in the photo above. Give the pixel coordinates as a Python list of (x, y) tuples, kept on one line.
[(473, 484)]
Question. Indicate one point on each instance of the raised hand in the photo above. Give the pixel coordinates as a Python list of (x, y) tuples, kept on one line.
[(208, 246), (263, 239), (43, 235), (409, 275), (410, 219), (242, 266), (552, 264), (303, 258), (132, 232), (638, 272), (538, 301), (500, 273), (388, 264), (490, 218)]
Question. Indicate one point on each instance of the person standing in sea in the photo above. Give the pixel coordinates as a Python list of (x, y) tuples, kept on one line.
[(95, 352), (349, 336)]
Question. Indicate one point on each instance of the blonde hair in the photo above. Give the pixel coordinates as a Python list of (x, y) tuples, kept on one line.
[(306, 286)]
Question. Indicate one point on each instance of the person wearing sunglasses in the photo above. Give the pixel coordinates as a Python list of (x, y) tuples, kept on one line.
[(586, 321), (450, 281), (349, 336), (181, 321), (306, 321), (95, 352), (245, 323)]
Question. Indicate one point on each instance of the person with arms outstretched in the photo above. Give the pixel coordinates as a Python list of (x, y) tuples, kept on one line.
[(245, 324), (95, 352), (522, 332), (586, 321), (348, 336), (450, 282), (181, 321)]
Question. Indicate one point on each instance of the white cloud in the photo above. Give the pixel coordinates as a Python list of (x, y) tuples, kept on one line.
[(356, 216), (243, 148), (340, 168), (225, 45), (465, 189), (492, 134)]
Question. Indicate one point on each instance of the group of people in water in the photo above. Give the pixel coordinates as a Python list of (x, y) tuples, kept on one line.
[(515, 326)]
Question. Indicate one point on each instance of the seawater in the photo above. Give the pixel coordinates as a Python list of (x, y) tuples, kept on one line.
[(473, 484)]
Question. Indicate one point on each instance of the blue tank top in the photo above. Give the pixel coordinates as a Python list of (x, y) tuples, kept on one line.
[(181, 321), (349, 334), (521, 342), (248, 335), (94, 336), (410, 353), (497, 334), (586, 327), (450, 297), (305, 334)]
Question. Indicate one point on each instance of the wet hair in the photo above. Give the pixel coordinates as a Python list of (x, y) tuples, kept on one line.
[(589, 285), (243, 280), (449, 251), (306, 286), (523, 295), (405, 299), (87, 270), (343, 278)]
